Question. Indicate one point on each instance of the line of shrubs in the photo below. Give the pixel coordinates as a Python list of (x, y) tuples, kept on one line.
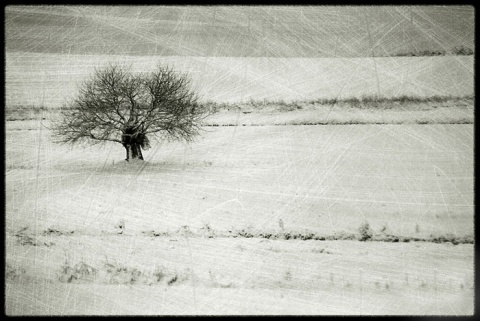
[(457, 51), (365, 233)]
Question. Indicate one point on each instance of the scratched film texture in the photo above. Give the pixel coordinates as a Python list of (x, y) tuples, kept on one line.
[(266, 211)]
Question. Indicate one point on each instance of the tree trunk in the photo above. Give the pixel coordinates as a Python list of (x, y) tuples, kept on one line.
[(133, 151), (134, 141)]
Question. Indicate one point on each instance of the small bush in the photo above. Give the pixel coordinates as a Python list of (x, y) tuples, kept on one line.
[(365, 231), (462, 51), (79, 272), (247, 232), (267, 235), (56, 232), (24, 239), (173, 279), (208, 232), (186, 231), (159, 274), (120, 274), (14, 274), (176, 277)]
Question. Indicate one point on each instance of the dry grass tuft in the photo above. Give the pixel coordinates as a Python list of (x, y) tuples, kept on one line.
[(80, 272)]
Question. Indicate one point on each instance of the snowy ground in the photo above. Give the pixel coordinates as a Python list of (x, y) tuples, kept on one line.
[(240, 276), (408, 180), (35, 79)]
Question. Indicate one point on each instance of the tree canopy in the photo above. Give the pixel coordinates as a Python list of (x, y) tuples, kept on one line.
[(118, 105)]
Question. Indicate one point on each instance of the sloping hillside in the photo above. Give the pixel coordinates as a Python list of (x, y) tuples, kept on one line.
[(248, 31), (51, 80)]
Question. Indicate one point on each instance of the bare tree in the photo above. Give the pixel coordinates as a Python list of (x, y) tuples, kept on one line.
[(120, 106)]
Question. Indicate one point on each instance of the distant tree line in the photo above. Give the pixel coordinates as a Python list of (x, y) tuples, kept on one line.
[(457, 50)]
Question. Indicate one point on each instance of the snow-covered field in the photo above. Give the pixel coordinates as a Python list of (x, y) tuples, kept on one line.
[(240, 276), (313, 189), (34, 79), (406, 180), (325, 178)]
